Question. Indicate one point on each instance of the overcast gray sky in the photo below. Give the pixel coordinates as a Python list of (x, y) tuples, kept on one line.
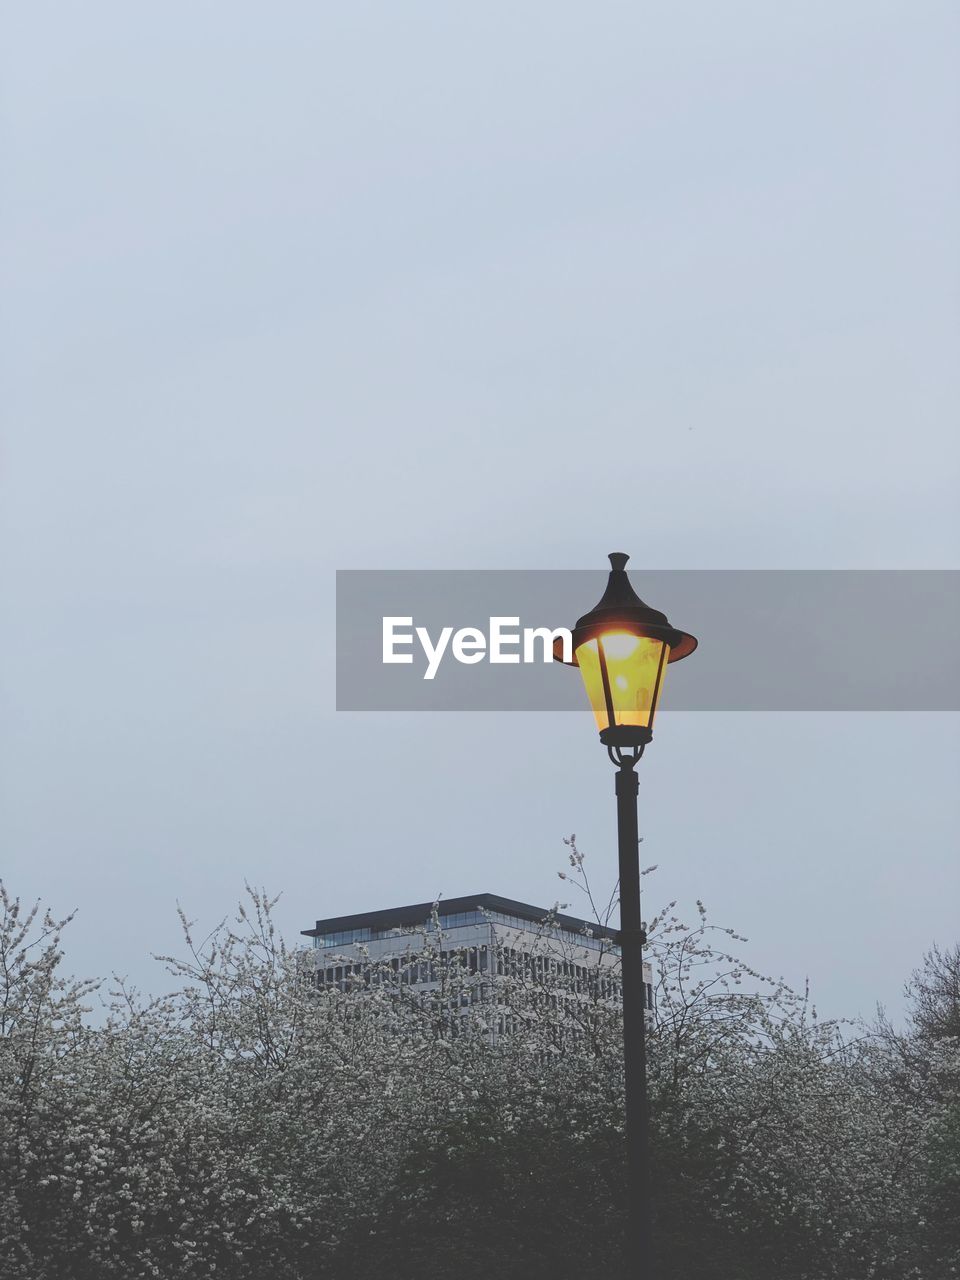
[(298, 287)]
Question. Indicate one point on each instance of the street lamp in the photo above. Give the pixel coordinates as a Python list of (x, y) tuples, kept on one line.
[(622, 648)]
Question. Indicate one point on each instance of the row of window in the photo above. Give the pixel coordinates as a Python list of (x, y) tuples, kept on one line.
[(553, 931), (340, 938), (458, 920), (510, 962), (473, 960), (590, 979)]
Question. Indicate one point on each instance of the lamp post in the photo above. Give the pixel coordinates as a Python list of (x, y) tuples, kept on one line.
[(622, 648)]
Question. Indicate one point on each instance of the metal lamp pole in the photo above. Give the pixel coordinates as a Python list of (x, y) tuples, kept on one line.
[(622, 647), (632, 939)]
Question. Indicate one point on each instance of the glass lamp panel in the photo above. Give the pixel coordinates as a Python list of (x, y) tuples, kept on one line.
[(633, 664)]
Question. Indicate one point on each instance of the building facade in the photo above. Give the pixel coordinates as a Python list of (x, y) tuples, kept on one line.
[(490, 937)]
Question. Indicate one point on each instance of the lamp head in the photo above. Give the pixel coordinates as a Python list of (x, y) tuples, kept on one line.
[(622, 647)]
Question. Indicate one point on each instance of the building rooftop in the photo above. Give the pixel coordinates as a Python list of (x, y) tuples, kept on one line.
[(420, 912)]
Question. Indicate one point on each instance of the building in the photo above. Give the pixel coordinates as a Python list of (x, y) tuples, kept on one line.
[(491, 938)]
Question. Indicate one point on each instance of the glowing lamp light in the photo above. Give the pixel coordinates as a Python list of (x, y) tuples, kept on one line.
[(622, 648)]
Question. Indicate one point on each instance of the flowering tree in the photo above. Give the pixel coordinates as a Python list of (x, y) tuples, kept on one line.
[(252, 1124)]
